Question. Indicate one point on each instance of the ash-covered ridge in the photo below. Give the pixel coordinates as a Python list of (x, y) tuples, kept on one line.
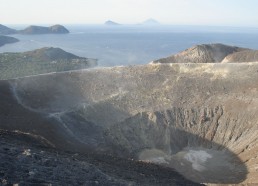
[(242, 56), (211, 53), (199, 119)]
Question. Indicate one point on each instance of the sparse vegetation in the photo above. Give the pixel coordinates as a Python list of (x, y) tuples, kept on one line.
[(45, 60)]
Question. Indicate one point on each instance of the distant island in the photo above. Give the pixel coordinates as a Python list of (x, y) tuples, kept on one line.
[(150, 22), (4, 30), (40, 61), (7, 40), (111, 23), (55, 29)]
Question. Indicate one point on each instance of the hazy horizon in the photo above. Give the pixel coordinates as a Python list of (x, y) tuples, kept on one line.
[(22, 25), (233, 13)]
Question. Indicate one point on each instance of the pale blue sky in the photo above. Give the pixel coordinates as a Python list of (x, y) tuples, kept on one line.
[(179, 12)]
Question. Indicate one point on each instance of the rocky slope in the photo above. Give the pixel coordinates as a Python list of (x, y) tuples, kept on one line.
[(55, 29), (4, 30), (44, 60), (7, 40), (200, 119), (26, 160), (243, 56), (205, 53)]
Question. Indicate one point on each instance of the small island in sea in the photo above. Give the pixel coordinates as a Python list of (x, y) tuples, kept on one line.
[(55, 29), (111, 23)]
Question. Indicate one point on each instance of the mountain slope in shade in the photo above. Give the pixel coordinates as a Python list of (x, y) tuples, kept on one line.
[(49, 166), (4, 30), (7, 40)]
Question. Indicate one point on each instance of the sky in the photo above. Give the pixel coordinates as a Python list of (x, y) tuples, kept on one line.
[(241, 13)]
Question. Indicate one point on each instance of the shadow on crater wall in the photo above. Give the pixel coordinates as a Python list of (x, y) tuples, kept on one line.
[(166, 143)]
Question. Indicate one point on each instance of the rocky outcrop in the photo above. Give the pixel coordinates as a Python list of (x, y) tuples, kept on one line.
[(44, 60), (26, 160), (199, 119), (243, 56), (4, 30), (7, 40), (206, 53), (55, 29)]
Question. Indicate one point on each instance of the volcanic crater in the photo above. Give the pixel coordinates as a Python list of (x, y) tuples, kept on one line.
[(199, 119)]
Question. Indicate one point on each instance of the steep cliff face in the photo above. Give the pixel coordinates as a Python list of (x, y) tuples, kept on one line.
[(200, 119), (195, 142), (206, 53)]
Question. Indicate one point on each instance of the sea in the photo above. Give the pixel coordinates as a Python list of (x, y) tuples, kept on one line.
[(133, 44)]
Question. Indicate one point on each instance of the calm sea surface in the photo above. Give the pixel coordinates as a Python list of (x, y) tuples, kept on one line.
[(130, 45)]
